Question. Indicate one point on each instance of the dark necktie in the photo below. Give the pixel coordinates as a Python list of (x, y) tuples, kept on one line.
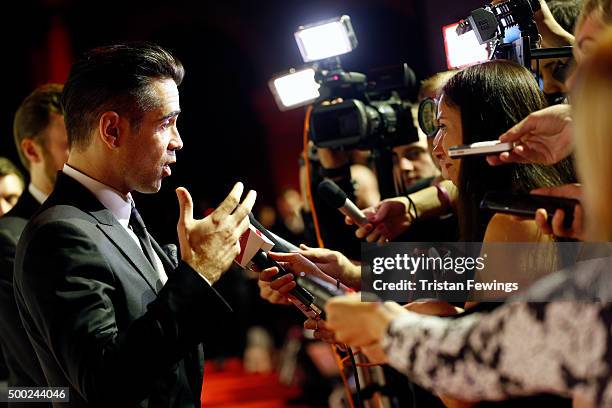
[(138, 226)]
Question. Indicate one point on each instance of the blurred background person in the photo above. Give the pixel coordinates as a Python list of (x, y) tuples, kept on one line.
[(40, 138), (11, 185), (553, 72)]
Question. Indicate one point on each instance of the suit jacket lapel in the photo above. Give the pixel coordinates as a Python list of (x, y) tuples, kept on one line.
[(130, 250), (67, 190)]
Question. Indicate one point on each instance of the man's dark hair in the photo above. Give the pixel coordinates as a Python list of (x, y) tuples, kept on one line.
[(565, 12), (34, 115), (114, 78), (492, 97)]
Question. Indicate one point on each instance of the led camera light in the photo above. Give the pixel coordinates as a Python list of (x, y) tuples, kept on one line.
[(327, 39), (297, 88)]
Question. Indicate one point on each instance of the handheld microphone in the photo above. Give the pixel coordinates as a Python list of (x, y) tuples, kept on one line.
[(255, 244), (336, 198), (322, 291), (280, 244)]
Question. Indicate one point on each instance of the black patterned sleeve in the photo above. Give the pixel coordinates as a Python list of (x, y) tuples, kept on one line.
[(518, 349)]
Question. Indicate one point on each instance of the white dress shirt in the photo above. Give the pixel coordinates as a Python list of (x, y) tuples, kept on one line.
[(120, 206), (37, 194)]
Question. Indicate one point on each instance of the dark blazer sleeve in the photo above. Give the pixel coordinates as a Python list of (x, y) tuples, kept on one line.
[(71, 293), (22, 363)]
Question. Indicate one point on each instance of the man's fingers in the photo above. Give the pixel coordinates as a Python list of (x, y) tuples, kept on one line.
[(246, 206), (231, 201), (185, 218), (185, 206), (242, 227)]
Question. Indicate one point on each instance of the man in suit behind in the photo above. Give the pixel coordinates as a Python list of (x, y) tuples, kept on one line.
[(42, 143), (107, 313)]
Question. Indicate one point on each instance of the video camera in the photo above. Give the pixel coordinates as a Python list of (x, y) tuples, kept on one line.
[(351, 110), (491, 23)]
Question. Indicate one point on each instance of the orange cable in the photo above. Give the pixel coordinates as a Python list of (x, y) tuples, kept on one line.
[(315, 218), (343, 375)]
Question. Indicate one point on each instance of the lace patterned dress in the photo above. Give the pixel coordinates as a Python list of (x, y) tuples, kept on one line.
[(555, 338)]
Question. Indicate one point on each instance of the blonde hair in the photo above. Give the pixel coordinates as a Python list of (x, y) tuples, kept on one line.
[(433, 85), (603, 9), (593, 134)]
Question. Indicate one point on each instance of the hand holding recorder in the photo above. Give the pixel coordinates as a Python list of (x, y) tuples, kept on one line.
[(558, 224)]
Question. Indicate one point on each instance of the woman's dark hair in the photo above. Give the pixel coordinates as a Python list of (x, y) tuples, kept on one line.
[(492, 97), (114, 78)]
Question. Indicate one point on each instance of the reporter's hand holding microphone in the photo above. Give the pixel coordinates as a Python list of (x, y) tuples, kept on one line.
[(318, 262)]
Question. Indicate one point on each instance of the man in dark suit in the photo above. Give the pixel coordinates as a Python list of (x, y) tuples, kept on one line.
[(42, 143), (107, 313)]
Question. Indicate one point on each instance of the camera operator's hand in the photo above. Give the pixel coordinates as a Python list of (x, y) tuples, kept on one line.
[(335, 264), (360, 324), (566, 191), (210, 245), (388, 219), (543, 137)]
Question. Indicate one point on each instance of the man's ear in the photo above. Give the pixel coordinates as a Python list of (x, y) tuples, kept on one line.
[(110, 129), (31, 150)]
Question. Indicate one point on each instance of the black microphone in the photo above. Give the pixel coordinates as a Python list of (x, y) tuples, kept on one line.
[(336, 198)]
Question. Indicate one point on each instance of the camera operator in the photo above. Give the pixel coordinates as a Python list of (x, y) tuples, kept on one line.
[(335, 165), (430, 199)]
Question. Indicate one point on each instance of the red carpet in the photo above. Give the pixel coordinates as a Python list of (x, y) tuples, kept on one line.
[(230, 386)]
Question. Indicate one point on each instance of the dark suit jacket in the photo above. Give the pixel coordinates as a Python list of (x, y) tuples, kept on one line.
[(23, 366), (96, 314)]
